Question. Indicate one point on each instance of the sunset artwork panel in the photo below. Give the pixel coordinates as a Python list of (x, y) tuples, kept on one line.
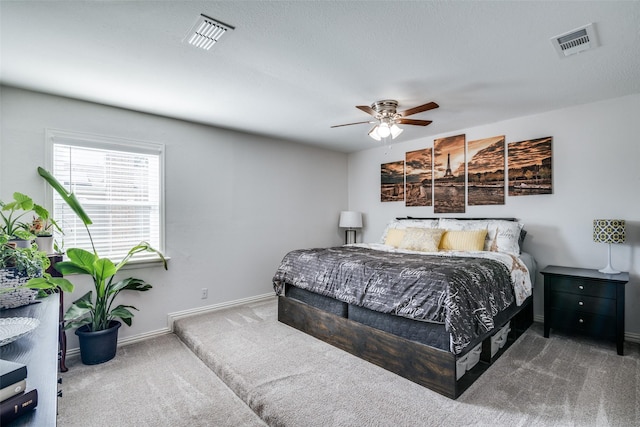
[(530, 167), (392, 181), (485, 171), (449, 168), (419, 177)]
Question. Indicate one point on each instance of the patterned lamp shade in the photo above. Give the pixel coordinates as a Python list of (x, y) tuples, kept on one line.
[(608, 230)]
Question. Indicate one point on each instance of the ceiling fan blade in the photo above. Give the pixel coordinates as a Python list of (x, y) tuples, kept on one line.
[(418, 109), (349, 124), (414, 122), (367, 110)]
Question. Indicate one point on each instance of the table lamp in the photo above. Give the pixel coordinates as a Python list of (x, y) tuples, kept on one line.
[(351, 221), (608, 231)]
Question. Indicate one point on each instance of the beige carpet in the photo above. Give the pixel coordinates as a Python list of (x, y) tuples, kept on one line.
[(290, 379), (158, 382)]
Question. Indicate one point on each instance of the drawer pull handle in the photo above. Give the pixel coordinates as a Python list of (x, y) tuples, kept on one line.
[(580, 320), (580, 303), (581, 287)]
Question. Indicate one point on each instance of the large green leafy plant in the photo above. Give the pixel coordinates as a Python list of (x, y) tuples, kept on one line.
[(97, 310)]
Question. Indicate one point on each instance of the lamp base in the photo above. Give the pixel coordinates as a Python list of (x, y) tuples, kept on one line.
[(350, 236), (608, 270)]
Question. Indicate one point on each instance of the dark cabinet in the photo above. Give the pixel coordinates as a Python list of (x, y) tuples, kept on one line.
[(585, 301), (38, 350)]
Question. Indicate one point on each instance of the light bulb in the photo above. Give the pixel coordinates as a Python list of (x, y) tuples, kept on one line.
[(383, 130)]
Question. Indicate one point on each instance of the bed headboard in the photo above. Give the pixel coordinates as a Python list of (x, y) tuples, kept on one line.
[(462, 219)]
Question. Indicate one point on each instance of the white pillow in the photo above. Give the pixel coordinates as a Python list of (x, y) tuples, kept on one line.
[(421, 239), (408, 223), (502, 235)]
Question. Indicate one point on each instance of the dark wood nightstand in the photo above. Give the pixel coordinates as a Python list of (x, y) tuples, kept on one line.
[(585, 301)]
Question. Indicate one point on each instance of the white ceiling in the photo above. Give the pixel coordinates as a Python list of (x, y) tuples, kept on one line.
[(292, 69)]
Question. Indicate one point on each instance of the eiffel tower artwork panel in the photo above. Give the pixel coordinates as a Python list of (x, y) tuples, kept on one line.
[(449, 167)]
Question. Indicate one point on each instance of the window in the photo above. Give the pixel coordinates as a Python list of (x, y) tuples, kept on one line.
[(120, 186)]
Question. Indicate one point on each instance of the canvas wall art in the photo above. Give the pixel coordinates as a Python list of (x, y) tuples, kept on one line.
[(419, 177), (486, 171), (449, 167), (530, 167), (392, 182)]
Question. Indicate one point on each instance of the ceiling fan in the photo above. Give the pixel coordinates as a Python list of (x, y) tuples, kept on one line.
[(387, 118)]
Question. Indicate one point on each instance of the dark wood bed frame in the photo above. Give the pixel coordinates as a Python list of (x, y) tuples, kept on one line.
[(428, 366)]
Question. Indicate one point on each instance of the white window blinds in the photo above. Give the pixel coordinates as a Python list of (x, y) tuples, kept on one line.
[(120, 187)]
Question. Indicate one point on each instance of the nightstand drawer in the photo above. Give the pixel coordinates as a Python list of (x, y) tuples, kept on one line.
[(587, 323), (599, 289), (574, 302)]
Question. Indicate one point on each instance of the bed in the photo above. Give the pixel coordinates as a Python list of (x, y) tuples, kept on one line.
[(436, 300)]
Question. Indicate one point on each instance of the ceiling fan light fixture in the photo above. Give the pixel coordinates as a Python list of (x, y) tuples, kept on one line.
[(395, 130), (387, 118), (373, 133)]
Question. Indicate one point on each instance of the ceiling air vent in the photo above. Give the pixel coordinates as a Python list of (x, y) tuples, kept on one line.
[(575, 41), (206, 32)]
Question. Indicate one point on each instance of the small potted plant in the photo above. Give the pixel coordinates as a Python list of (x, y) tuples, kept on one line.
[(95, 316), (11, 212), (42, 228)]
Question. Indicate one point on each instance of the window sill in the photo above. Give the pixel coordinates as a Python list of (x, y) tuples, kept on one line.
[(134, 264)]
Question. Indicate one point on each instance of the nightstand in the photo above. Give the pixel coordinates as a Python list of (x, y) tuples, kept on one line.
[(585, 301)]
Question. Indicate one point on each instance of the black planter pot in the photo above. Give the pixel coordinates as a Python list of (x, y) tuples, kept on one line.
[(100, 346)]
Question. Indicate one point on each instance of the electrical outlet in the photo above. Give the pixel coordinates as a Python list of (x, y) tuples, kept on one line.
[(205, 293)]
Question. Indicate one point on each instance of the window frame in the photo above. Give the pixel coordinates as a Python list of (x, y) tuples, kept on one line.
[(103, 142)]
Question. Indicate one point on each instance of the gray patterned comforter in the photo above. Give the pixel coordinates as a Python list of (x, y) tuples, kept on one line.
[(464, 293)]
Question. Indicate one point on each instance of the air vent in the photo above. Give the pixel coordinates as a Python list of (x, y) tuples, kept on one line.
[(575, 41), (206, 32)]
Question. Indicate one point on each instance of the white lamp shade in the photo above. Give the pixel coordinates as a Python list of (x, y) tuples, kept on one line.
[(395, 131), (373, 133), (350, 219)]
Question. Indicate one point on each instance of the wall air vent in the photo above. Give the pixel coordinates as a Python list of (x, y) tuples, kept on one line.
[(206, 32), (575, 41)]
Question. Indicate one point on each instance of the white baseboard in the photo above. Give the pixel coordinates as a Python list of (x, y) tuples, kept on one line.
[(200, 310), (628, 336), (179, 314), (129, 340)]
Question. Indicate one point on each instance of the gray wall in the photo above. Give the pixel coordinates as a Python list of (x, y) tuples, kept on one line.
[(596, 174), (235, 203)]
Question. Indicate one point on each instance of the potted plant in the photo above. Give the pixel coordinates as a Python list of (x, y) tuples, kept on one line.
[(42, 228), (12, 211), (20, 260), (95, 313), (21, 275)]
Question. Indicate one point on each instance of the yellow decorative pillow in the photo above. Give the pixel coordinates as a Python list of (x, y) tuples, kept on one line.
[(394, 237), (421, 239), (463, 240)]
